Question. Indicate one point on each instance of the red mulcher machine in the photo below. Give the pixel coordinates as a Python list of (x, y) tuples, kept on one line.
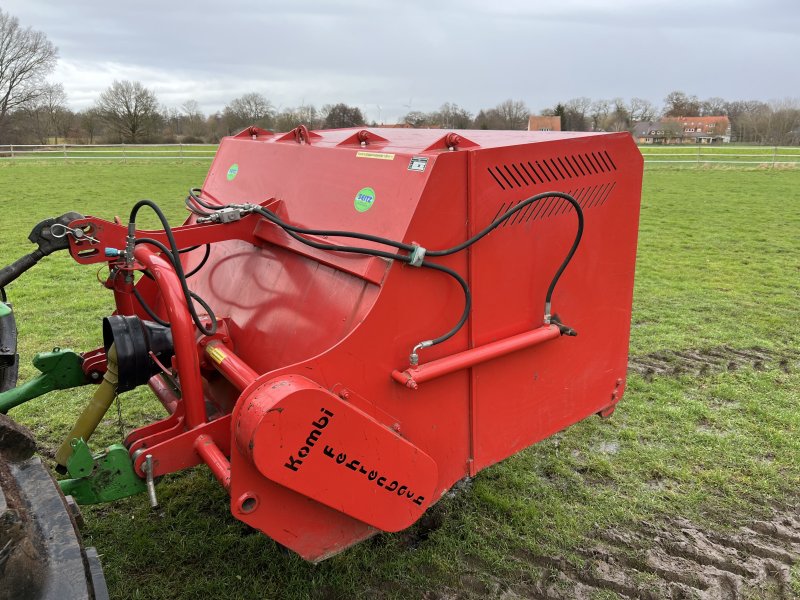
[(351, 321)]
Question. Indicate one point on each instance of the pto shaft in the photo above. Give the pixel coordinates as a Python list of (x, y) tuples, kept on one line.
[(95, 411)]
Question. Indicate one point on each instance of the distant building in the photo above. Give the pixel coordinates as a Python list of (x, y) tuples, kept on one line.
[(684, 130), (544, 123)]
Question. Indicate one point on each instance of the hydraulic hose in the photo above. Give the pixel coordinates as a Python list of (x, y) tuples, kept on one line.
[(173, 254), (412, 251)]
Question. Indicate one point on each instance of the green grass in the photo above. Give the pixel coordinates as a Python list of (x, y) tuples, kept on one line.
[(718, 264)]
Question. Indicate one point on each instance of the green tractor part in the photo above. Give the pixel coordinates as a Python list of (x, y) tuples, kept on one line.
[(102, 478), (60, 370)]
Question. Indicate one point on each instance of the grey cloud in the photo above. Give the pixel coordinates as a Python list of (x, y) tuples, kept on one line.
[(420, 54)]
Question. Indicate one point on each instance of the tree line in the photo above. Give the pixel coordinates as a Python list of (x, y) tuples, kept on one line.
[(33, 110)]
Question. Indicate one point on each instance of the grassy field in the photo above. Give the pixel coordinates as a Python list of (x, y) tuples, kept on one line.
[(718, 273)]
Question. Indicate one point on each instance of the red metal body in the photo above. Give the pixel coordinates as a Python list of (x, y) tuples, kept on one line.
[(304, 405)]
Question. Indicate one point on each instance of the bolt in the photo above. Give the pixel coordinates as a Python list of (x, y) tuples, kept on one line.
[(226, 340), (344, 394), (396, 426)]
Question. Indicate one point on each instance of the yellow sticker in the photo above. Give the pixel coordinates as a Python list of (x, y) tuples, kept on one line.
[(216, 354), (378, 155)]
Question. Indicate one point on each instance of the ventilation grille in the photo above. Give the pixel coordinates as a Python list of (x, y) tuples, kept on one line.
[(553, 206), (549, 170)]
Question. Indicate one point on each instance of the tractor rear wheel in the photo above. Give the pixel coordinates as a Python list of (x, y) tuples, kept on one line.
[(41, 552)]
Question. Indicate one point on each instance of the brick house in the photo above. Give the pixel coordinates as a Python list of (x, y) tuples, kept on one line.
[(684, 130), (544, 123)]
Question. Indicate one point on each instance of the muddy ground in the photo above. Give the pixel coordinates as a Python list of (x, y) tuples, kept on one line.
[(673, 559)]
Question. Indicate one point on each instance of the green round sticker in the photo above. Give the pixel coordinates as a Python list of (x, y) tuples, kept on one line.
[(233, 171), (365, 198)]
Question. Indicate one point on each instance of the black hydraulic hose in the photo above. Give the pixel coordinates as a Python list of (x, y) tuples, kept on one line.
[(194, 195), (194, 208), (271, 216), (401, 257), (510, 212), (467, 300), (202, 262), (169, 257), (174, 253), (298, 234), (494, 224), (151, 313)]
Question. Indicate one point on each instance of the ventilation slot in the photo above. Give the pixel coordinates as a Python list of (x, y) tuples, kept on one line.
[(552, 206), (549, 170)]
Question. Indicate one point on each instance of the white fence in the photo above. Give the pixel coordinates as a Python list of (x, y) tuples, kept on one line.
[(704, 154), (122, 152), (677, 155)]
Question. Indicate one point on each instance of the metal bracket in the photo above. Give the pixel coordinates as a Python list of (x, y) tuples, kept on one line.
[(417, 255), (102, 478)]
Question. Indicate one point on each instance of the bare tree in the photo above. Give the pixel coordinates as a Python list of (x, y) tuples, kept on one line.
[(46, 116), (487, 119), (194, 118), (129, 109), (90, 122), (216, 127), (620, 118), (417, 119), (640, 109), (600, 110), (250, 109), (513, 114), (305, 114), (452, 116), (713, 107), (342, 115), (308, 115), (575, 113), (59, 117), (26, 56), (679, 104)]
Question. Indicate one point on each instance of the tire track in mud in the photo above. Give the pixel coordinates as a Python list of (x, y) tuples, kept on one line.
[(673, 560), (719, 359)]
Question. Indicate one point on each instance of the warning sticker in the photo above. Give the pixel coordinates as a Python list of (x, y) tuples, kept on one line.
[(378, 155), (418, 163), (216, 354)]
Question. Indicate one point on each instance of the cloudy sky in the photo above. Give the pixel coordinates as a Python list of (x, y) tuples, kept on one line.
[(389, 57)]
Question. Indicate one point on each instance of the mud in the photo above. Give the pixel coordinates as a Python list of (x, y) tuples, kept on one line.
[(675, 559), (712, 360)]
